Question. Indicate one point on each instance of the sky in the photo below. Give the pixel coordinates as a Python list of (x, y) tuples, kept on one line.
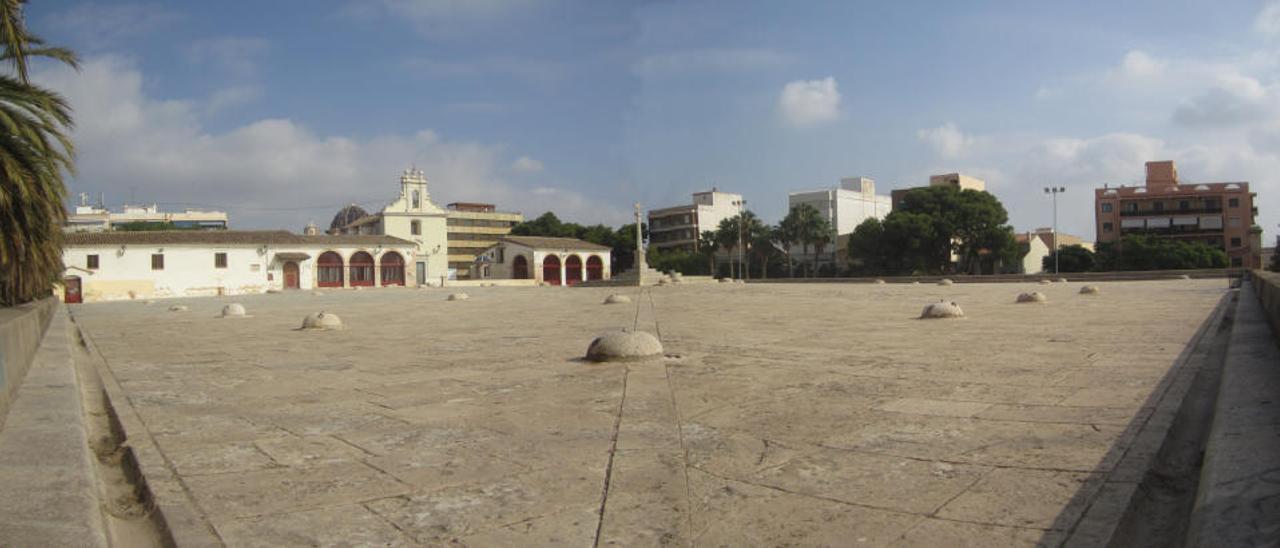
[(281, 112)]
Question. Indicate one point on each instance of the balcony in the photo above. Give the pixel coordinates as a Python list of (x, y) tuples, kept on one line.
[(1150, 212)]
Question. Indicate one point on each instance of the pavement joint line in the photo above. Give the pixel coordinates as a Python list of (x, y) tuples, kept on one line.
[(388, 474), (977, 480), (387, 520), (613, 450), (684, 450), (345, 442), (811, 495)]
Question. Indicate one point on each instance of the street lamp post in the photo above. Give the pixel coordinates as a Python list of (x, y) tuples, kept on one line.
[(1055, 191)]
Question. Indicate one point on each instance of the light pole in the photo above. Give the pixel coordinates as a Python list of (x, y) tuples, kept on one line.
[(1055, 191), (741, 254)]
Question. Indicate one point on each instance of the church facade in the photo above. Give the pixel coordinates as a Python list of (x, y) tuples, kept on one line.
[(415, 218)]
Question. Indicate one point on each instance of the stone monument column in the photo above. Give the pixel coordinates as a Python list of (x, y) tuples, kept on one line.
[(641, 264)]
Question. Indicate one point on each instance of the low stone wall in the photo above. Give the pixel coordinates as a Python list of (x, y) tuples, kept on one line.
[(1267, 286), (21, 328), (1131, 275)]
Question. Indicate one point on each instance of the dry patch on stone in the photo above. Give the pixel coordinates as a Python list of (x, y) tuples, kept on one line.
[(324, 321), (1032, 297), (941, 310)]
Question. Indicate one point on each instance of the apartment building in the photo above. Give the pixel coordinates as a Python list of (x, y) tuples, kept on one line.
[(473, 228), (679, 227), (1219, 214)]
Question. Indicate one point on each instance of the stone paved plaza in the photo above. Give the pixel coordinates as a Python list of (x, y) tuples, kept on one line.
[(784, 414)]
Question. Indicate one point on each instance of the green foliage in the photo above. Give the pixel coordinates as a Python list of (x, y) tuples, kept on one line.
[(806, 226), (35, 151), (931, 224), (677, 260), (1143, 252), (756, 239), (1072, 258)]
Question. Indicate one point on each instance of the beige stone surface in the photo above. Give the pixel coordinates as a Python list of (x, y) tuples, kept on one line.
[(805, 414)]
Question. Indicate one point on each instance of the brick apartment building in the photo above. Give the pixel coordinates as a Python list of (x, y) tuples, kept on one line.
[(1219, 214)]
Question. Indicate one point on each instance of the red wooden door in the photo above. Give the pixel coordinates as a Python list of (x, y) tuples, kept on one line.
[(72, 293), (551, 270), (291, 275)]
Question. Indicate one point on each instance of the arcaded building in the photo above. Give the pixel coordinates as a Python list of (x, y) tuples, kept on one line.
[(473, 228), (1219, 214)]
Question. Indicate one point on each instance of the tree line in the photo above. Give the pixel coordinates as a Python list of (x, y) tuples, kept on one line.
[(933, 230)]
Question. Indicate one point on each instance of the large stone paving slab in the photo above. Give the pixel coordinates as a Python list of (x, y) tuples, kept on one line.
[(814, 414)]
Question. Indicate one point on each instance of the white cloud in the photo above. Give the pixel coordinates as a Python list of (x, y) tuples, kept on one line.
[(103, 25), (237, 55), (1235, 100), (1139, 64), (806, 103), (231, 97), (525, 164), (1268, 21), (709, 60), (947, 140), (271, 172)]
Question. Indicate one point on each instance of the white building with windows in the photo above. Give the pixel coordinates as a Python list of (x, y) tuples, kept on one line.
[(844, 207), (413, 217), (679, 227), (556, 261), (103, 266), (91, 218)]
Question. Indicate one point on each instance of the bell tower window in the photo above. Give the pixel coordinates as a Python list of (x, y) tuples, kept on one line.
[(417, 199)]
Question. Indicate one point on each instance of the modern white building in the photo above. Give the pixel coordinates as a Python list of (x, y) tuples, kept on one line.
[(679, 227), (412, 217), (117, 265), (91, 218), (556, 261), (845, 207)]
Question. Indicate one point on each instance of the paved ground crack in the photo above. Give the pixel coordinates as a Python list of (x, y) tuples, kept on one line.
[(613, 450)]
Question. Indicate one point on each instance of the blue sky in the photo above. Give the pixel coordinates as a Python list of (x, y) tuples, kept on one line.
[(280, 111)]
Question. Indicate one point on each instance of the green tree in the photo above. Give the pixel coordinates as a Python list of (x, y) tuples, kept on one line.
[(707, 247), (1146, 252), (971, 224), (35, 151), (808, 227), (867, 252), (789, 234), (1071, 258), (546, 224)]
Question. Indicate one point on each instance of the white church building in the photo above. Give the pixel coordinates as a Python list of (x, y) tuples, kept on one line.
[(403, 245), (415, 218)]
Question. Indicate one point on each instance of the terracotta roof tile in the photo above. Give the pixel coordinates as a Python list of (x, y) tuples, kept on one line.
[(222, 237)]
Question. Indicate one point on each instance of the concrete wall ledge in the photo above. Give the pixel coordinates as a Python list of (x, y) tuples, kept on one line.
[(1238, 498), (21, 329), (1116, 276)]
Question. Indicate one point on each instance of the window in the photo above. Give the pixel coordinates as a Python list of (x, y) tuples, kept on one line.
[(415, 227), (1233, 202), (1131, 206), (1107, 227), (91, 262), (416, 200), (1106, 207), (1157, 206), (1210, 203), (219, 260), (1235, 242), (157, 261), (1236, 261), (1184, 204)]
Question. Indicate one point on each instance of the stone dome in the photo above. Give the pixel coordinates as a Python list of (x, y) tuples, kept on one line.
[(346, 216)]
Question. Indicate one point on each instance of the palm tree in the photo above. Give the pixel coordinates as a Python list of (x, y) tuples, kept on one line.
[(708, 246), (809, 229), (788, 233), (35, 150), (821, 236), (726, 238)]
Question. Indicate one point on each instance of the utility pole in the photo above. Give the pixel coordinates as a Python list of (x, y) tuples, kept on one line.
[(1055, 191)]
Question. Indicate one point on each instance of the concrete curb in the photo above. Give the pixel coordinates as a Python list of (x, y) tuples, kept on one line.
[(1238, 499), (1106, 511), (180, 518)]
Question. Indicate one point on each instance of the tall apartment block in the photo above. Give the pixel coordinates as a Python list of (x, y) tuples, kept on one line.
[(1219, 214), (678, 227), (473, 228)]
